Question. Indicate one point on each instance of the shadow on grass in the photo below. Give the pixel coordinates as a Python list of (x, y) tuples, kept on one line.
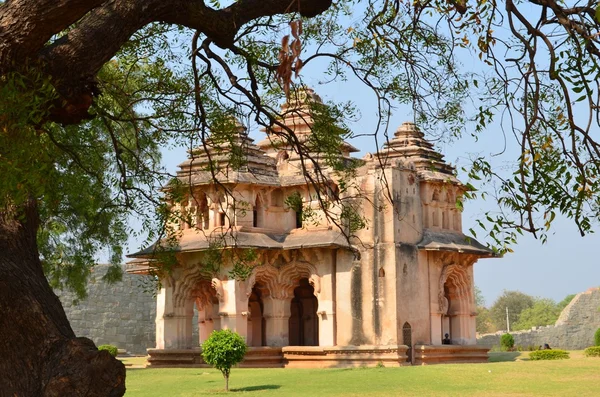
[(255, 388), (499, 357)]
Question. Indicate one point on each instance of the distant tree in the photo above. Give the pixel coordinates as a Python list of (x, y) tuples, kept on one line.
[(222, 350), (483, 320), (479, 298), (516, 302), (543, 312)]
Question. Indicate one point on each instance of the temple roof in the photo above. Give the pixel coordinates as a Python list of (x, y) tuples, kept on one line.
[(258, 168), (298, 117), (445, 240), (409, 143)]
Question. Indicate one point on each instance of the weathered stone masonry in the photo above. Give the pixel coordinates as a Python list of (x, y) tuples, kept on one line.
[(574, 330), (120, 314)]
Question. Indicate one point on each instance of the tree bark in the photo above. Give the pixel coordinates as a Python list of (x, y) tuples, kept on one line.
[(40, 355)]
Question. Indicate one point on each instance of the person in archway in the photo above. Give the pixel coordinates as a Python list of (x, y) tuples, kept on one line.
[(446, 340)]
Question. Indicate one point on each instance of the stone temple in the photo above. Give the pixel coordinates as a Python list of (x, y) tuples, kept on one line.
[(311, 296)]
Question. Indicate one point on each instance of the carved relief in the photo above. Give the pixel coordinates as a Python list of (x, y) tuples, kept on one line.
[(218, 286), (461, 282)]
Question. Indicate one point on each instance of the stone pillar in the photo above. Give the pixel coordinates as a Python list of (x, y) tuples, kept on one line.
[(205, 322), (461, 329), (173, 322), (277, 314), (436, 328), (326, 309), (233, 306)]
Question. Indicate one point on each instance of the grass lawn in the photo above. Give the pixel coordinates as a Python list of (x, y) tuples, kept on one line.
[(507, 374)]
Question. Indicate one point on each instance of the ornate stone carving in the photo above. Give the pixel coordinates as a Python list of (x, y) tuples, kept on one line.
[(315, 281), (460, 281), (218, 286)]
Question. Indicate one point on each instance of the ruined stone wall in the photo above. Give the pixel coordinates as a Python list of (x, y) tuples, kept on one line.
[(120, 314), (574, 330)]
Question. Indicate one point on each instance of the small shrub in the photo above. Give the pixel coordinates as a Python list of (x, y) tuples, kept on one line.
[(532, 348), (520, 348), (380, 364), (597, 337), (593, 351), (507, 341), (549, 355), (109, 348), (222, 350)]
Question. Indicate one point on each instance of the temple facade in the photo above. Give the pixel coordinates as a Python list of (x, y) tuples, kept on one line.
[(317, 292)]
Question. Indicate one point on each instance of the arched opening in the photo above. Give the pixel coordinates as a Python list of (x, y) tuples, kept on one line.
[(282, 156), (407, 339), (277, 198), (258, 213), (304, 323), (381, 272), (201, 203), (435, 216), (256, 319), (457, 319)]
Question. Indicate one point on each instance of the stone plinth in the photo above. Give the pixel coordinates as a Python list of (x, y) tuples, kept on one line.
[(444, 354), (344, 356), (256, 357)]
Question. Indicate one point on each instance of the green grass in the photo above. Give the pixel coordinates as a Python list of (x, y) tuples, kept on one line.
[(509, 374)]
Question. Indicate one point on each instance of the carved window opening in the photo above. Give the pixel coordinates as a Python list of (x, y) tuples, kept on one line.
[(258, 213), (435, 196), (202, 216), (444, 220), (277, 198), (282, 156), (436, 221), (299, 219), (304, 323), (381, 272), (222, 219), (407, 340)]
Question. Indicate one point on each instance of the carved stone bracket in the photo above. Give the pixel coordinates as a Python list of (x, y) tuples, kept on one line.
[(218, 286)]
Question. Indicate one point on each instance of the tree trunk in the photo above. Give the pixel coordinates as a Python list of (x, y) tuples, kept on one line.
[(226, 382), (39, 353)]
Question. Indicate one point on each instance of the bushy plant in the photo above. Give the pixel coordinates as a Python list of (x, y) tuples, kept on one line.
[(222, 350), (549, 355), (507, 341), (593, 351), (597, 337), (109, 348)]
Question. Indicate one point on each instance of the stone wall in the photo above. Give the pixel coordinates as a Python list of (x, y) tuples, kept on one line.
[(120, 314), (574, 329)]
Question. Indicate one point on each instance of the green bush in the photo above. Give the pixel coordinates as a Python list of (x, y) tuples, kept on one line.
[(593, 351), (222, 350), (548, 355), (597, 337), (109, 348), (507, 341)]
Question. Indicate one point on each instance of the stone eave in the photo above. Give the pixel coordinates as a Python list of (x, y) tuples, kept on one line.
[(446, 240), (239, 239)]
